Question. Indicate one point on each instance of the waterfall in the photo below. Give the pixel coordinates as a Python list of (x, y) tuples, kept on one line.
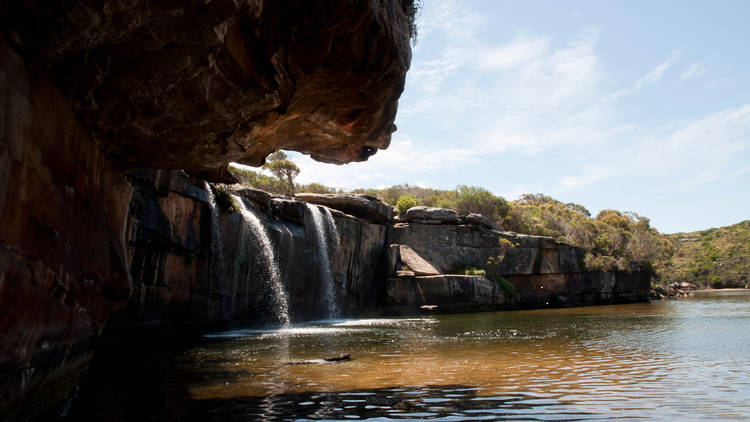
[(333, 230), (325, 262), (217, 246), (281, 304)]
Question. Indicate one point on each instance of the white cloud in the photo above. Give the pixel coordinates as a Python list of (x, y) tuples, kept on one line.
[(699, 152), (532, 113), (404, 159), (696, 70), (656, 74), (517, 52), (651, 77)]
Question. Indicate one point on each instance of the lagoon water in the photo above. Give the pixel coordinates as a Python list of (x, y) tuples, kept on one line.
[(669, 360)]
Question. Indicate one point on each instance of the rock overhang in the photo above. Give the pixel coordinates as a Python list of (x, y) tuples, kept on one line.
[(195, 85)]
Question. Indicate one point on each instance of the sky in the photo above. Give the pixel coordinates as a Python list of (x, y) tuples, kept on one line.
[(632, 105)]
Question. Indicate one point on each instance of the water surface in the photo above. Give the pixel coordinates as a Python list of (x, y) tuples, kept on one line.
[(662, 360)]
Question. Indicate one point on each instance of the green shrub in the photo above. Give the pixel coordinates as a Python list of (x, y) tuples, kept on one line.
[(505, 286), (405, 202)]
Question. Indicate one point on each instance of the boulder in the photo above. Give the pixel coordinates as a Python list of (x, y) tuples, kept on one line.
[(363, 206), (416, 263), (481, 220), (421, 212)]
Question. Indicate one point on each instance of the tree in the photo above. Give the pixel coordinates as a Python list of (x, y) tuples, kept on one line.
[(283, 169)]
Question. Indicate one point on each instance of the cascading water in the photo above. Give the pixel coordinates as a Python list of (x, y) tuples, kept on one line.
[(333, 230), (281, 303), (217, 245), (325, 262)]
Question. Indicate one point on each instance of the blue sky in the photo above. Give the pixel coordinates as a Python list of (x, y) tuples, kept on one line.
[(632, 105)]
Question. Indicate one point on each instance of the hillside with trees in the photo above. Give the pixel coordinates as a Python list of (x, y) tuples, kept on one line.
[(717, 258)]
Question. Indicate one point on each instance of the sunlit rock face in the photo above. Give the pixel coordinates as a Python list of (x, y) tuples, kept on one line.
[(543, 272), (195, 85)]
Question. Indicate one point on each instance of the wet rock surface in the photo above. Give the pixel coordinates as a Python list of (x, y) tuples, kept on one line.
[(181, 278), (451, 293)]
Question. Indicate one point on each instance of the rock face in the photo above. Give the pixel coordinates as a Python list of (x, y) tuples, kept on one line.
[(416, 263), (90, 89), (543, 272), (63, 266), (362, 206), (196, 267), (447, 292), (194, 85)]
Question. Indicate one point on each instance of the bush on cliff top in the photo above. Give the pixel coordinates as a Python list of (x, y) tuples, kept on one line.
[(405, 202)]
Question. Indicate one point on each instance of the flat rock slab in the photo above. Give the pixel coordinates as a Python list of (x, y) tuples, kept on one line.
[(363, 206), (429, 213), (416, 263)]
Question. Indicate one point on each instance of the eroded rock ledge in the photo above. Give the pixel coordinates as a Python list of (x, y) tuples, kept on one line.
[(195, 85)]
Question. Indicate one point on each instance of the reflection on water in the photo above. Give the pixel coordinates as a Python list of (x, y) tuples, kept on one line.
[(663, 360)]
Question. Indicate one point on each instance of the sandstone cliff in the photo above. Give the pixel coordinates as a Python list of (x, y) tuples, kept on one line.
[(90, 89), (62, 253), (543, 272), (195, 85), (197, 266)]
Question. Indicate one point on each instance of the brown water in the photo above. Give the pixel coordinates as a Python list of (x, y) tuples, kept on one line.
[(671, 360), (662, 360)]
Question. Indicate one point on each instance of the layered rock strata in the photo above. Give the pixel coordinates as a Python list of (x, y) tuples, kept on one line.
[(543, 272)]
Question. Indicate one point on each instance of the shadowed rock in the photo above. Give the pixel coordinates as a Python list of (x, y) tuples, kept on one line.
[(195, 84)]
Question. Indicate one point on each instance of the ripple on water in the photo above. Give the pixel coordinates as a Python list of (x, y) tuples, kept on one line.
[(665, 361)]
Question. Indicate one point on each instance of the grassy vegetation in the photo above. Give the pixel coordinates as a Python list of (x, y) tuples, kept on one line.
[(716, 258)]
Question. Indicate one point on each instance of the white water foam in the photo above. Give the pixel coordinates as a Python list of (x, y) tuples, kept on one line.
[(325, 262), (281, 303)]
